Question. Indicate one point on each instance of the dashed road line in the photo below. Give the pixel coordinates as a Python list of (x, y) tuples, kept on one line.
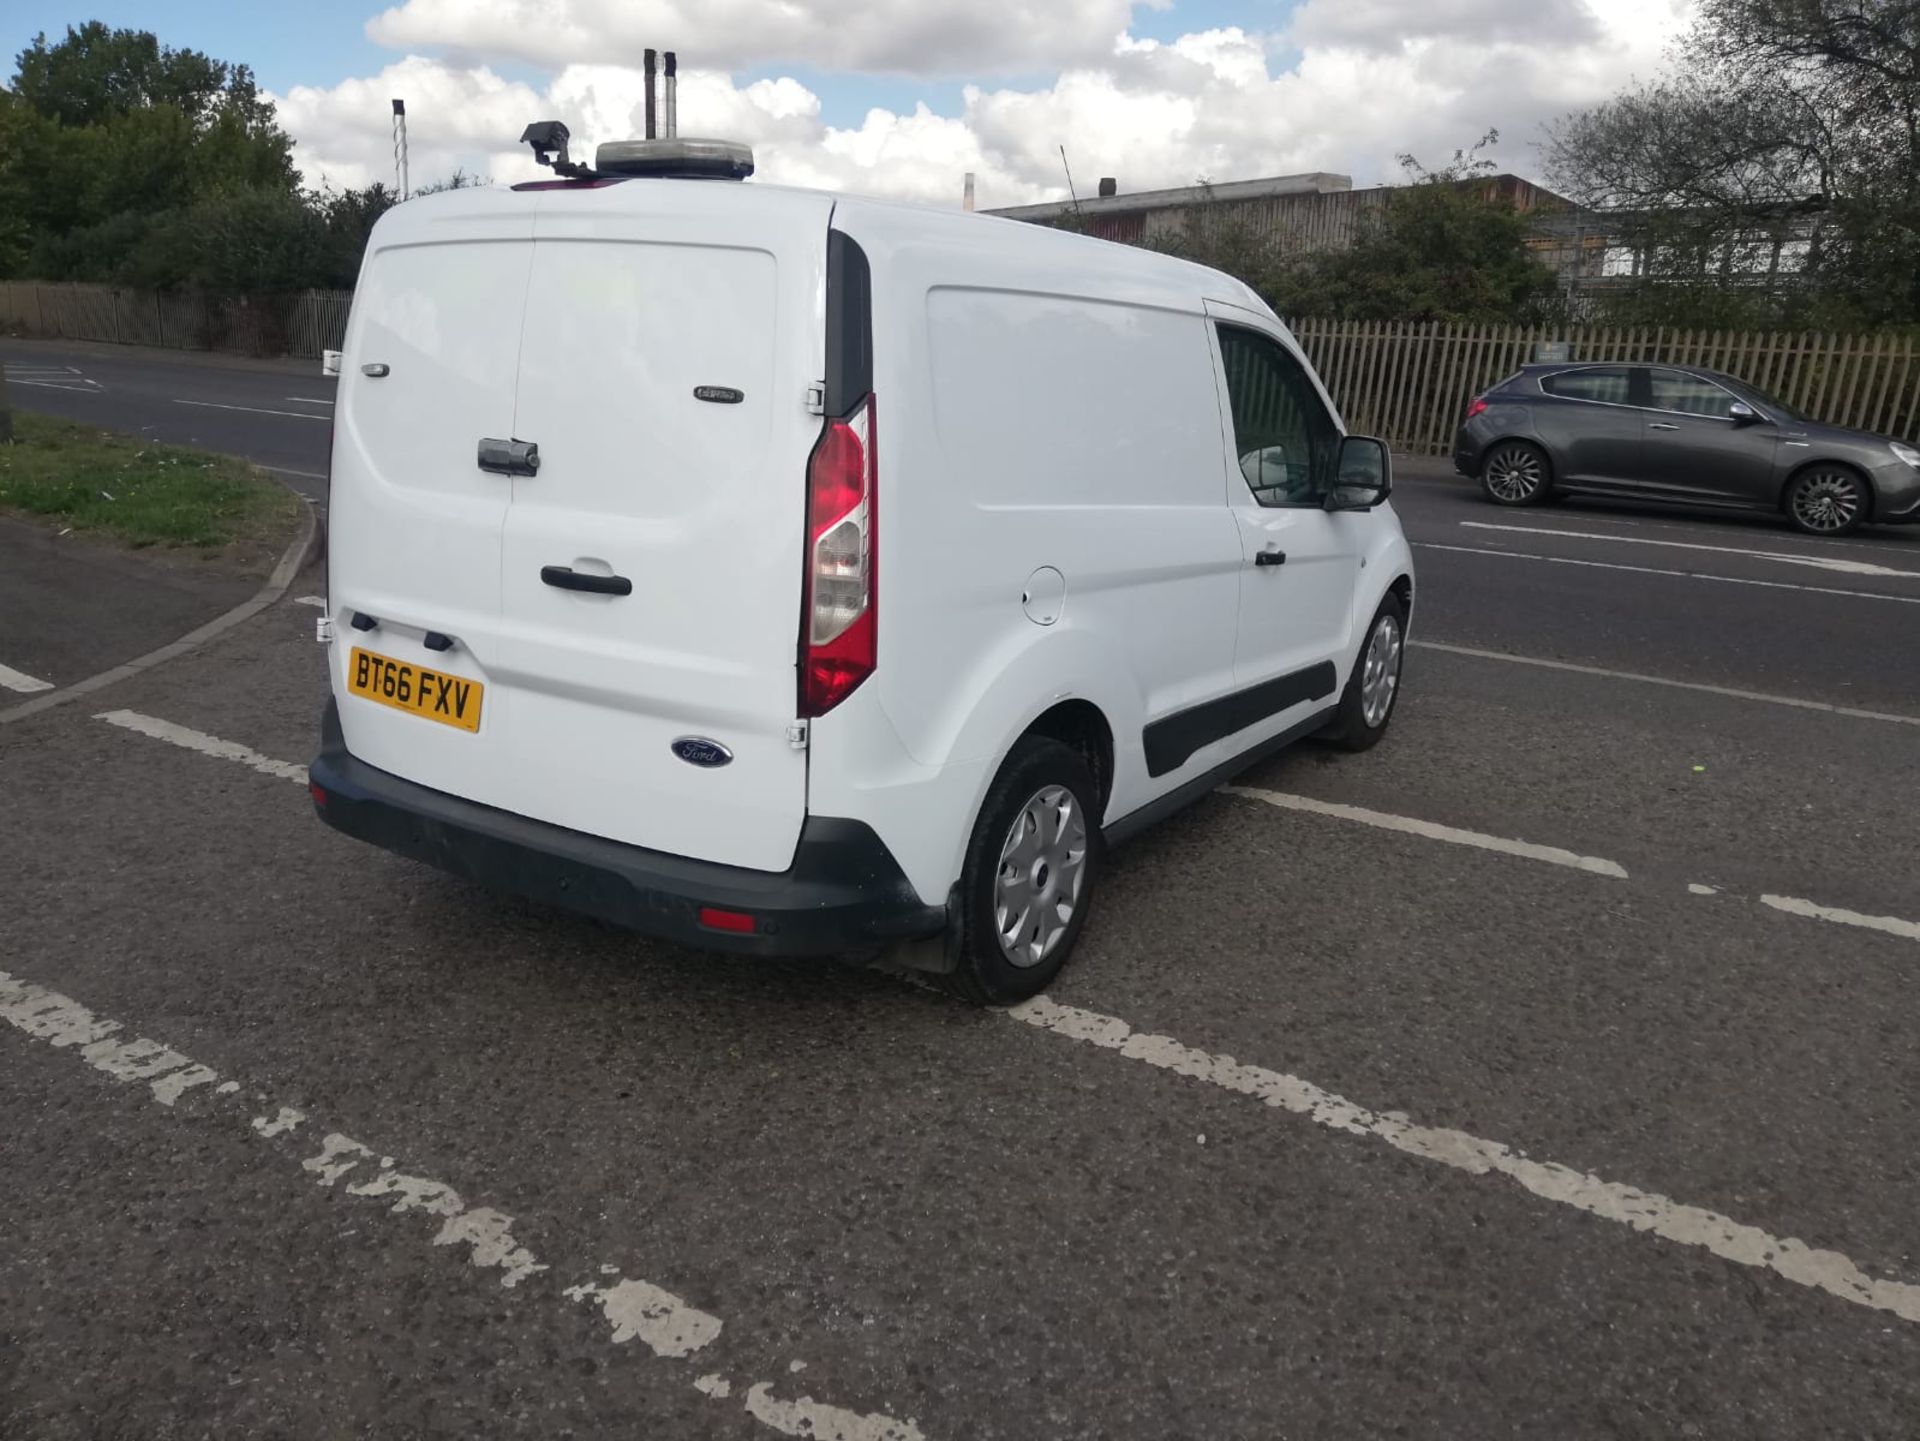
[(1720, 690), (308, 400), (1680, 574), (194, 740), (254, 409), (20, 681), (1822, 1270), (318, 602), (634, 1309), (1891, 925), (1843, 564), (1429, 830)]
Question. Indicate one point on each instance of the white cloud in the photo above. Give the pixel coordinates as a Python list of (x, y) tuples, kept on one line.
[(912, 37), (1149, 113)]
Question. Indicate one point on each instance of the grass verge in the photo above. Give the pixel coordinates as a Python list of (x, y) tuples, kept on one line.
[(141, 492)]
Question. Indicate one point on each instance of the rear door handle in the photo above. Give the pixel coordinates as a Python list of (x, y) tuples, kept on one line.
[(509, 457), (567, 578), (1661, 425), (1271, 557)]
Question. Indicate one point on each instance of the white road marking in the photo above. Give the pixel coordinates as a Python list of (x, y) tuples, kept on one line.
[(194, 740), (79, 387), (252, 409), (319, 602), (1892, 925), (19, 680), (303, 474), (1694, 888), (1407, 825), (1794, 1260), (308, 400), (1682, 574), (1841, 564), (1719, 690), (634, 1309)]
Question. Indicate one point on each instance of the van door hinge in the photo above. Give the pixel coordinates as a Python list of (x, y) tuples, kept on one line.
[(323, 629), (797, 735), (817, 398)]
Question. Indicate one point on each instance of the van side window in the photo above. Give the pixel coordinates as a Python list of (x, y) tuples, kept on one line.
[(1284, 439)]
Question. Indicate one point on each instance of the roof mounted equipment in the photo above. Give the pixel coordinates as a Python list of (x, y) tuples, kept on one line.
[(549, 141)]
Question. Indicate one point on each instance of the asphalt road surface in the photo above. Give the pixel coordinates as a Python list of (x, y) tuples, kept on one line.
[(1546, 1071)]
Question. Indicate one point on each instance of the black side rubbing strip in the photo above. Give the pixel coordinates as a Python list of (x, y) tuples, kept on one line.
[(1171, 739), (849, 324)]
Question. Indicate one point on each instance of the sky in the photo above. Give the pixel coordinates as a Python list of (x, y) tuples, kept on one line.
[(903, 97)]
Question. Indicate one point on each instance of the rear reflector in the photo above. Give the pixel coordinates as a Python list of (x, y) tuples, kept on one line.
[(319, 795), (839, 626), (718, 920), (1479, 404)]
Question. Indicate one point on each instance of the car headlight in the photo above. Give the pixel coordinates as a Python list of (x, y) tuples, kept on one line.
[(1906, 453)]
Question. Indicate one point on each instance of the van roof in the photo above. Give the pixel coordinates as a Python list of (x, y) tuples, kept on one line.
[(1182, 280)]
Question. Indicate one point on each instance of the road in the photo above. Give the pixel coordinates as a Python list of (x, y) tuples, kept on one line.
[(1546, 1071)]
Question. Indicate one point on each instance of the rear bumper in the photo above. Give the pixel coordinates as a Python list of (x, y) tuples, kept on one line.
[(843, 892)]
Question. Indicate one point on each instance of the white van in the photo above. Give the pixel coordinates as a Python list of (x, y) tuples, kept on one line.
[(788, 573)]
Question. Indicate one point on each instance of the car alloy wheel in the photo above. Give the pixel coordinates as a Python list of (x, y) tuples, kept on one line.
[(1827, 502), (1515, 474)]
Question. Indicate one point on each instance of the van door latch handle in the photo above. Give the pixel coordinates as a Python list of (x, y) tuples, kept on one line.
[(1271, 557), (509, 457), (1661, 425), (567, 578)]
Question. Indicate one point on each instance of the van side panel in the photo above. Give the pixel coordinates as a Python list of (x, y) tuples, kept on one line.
[(1033, 416)]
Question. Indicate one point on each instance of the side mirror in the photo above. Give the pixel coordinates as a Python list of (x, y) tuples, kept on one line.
[(1365, 474), (329, 362), (1743, 414)]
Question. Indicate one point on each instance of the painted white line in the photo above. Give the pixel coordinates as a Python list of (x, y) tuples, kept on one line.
[(1892, 925), (634, 1310), (1719, 690), (1682, 574), (318, 602), (252, 409), (78, 387), (308, 400), (1841, 564), (1694, 888), (194, 740), (1794, 1260), (1407, 825), (19, 680)]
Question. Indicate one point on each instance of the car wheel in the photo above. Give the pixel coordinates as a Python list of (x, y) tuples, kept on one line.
[(1827, 500), (1516, 473), (1031, 868), (1366, 705)]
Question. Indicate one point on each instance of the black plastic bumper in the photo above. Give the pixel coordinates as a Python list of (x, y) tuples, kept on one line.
[(844, 891)]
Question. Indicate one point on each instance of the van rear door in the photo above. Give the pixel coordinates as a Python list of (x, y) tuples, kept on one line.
[(651, 568), (414, 524)]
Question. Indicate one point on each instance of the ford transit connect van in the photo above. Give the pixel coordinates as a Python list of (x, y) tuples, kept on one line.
[(789, 573)]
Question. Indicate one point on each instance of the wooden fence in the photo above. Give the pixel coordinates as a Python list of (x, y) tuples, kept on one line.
[(1410, 383), (303, 322)]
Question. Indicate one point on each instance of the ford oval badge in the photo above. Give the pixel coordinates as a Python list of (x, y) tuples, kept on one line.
[(699, 751)]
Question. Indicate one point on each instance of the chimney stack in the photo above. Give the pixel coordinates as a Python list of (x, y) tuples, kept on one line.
[(673, 109), (1108, 187), (651, 60), (966, 195)]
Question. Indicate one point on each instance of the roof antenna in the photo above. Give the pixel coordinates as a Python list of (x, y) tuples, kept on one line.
[(549, 141), (1069, 169)]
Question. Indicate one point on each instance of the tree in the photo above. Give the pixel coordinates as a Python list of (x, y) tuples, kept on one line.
[(1445, 246), (1792, 122)]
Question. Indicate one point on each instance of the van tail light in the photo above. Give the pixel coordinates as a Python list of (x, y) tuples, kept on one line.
[(1479, 404), (839, 622)]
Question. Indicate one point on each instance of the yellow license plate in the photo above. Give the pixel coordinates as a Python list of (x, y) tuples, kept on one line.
[(450, 699)]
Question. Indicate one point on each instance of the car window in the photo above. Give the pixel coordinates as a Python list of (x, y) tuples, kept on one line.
[(1606, 383), (1286, 441), (1676, 390)]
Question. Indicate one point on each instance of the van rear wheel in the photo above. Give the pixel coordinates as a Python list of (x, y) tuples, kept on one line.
[(1031, 868)]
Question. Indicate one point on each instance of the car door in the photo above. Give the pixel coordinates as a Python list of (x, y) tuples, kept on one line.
[(1695, 448), (1299, 562), (1592, 430)]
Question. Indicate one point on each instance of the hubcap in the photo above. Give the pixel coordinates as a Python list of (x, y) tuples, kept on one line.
[(1515, 474), (1380, 673), (1826, 501), (1042, 865)]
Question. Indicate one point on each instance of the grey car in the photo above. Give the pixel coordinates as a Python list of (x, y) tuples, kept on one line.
[(1684, 435)]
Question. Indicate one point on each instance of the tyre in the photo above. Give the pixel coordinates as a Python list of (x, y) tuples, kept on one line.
[(1827, 500), (1516, 472), (1031, 867), (1366, 705)]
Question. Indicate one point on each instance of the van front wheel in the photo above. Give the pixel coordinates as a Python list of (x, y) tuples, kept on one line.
[(1031, 867)]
